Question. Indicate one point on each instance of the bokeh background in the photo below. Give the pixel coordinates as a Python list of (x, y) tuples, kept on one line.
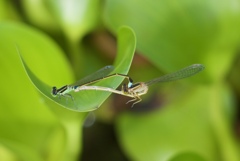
[(195, 119)]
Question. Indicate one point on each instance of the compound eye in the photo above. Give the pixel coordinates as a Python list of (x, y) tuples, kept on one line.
[(130, 84), (54, 91)]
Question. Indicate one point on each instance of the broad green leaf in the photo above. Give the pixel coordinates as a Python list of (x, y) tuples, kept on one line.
[(173, 34), (187, 156), (25, 116), (76, 17), (8, 10), (39, 15), (3, 11), (196, 125), (21, 152), (91, 100)]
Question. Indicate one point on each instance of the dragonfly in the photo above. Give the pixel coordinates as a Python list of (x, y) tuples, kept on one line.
[(97, 76), (141, 88)]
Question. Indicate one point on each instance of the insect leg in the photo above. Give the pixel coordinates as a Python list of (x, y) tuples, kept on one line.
[(138, 99)]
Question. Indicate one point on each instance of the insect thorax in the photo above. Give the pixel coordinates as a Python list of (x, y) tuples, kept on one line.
[(139, 89)]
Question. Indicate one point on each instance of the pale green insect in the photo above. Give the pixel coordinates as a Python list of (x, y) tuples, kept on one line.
[(99, 75)]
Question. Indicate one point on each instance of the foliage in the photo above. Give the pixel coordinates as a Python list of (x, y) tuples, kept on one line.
[(59, 42)]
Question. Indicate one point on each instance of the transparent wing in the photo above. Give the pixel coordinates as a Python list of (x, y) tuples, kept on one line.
[(94, 76), (180, 74)]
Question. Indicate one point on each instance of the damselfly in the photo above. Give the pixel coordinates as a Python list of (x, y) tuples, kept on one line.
[(93, 78), (141, 88)]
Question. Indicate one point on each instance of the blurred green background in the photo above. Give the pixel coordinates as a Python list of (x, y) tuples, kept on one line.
[(195, 119)]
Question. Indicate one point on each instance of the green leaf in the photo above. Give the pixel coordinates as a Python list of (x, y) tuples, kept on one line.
[(91, 100), (39, 15), (20, 151), (8, 11), (187, 156), (180, 126), (25, 116), (76, 17), (3, 11), (185, 124), (199, 31)]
